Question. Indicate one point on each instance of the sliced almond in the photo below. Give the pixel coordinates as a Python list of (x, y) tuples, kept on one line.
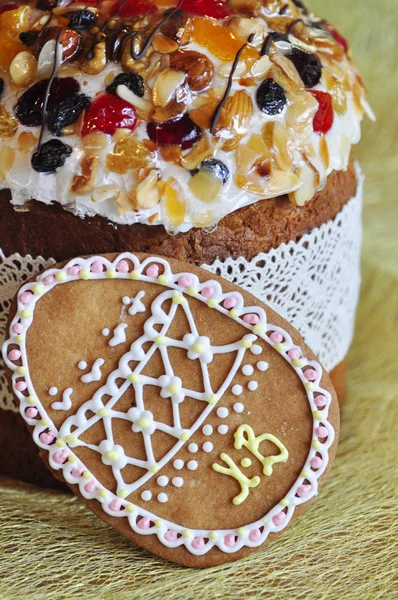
[(166, 85), (165, 113), (199, 152), (282, 147), (287, 67), (324, 152), (225, 70), (248, 8), (235, 119), (8, 124), (203, 115), (147, 193), (164, 44), (126, 94), (199, 68), (23, 68), (243, 27), (261, 66), (307, 188), (104, 193), (26, 141), (125, 203), (300, 113), (7, 156), (95, 142), (84, 183)]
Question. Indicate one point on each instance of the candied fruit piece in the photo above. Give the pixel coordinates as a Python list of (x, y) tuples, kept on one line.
[(216, 9), (174, 203), (133, 8), (181, 131), (220, 41), (108, 113), (324, 117), (15, 21)]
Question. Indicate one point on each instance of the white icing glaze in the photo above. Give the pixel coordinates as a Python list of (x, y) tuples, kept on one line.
[(252, 385), (247, 370), (146, 495), (237, 390), (262, 365), (238, 407), (193, 448), (114, 455), (256, 349), (207, 447), (177, 482), (95, 373), (223, 429), (162, 497), (207, 429), (162, 481), (178, 464), (66, 403), (82, 365), (137, 306), (222, 412), (119, 335), (105, 332), (53, 391), (192, 465)]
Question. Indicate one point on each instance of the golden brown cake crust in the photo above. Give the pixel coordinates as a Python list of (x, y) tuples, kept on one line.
[(50, 231)]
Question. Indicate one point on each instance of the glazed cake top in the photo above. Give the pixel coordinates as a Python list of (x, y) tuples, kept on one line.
[(174, 113)]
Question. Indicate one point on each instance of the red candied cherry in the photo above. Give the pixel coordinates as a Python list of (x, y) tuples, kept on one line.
[(181, 132), (108, 113), (7, 7), (337, 36), (324, 117), (216, 9), (133, 8)]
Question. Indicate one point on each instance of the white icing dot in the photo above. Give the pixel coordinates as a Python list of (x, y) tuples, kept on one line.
[(162, 480), (126, 300), (162, 497), (223, 429), (193, 448), (247, 370), (252, 385), (53, 391), (177, 482), (178, 464), (82, 365), (105, 332), (238, 407), (262, 365), (146, 495), (192, 465), (207, 447), (207, 430), (255, 349), (237, 390), (222, 412)]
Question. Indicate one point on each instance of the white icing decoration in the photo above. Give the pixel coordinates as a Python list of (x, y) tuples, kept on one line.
[(193, 448), (237, 390), (162, 497), (207, 447), (247, 370), (136, 305), (178, 464), (53, 391), (78, 423), (177, 482), (252, 385), (126, 300), (223, 429), (82, 365), (255, 349), (162, 481), (119, 335), (95, 373), (192, 465), (105, 332), (262, 365), (146, 495), (222, 412), (207, 429), (66, 403), (238, 407)]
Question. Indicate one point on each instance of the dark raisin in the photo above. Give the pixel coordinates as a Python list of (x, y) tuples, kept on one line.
[(218, 169), (270, 97), (66, 112), (28, 38), (29, 109), (301, 5), (82, 19), (1, 86), (308, 65), (132, 81), (46, 4), (51, 155)]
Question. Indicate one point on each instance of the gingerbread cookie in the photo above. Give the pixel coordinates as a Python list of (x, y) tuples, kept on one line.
[(183, 411)]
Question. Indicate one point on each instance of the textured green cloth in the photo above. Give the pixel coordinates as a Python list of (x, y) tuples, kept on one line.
[(346, 546)]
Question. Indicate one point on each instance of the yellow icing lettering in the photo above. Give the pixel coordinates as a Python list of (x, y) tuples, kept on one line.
[(233, 471), (245, 437)]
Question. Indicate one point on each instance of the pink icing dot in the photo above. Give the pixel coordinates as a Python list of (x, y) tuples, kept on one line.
[(276, 337), (322, 432), (26, 297), (144, 523), (170, 535), (255, 535), (316, 462), (279, 518), (14, 355), (115, 504), (153, 271), (75, 270), (208, 291), (198, 543), (31, 412), (91, 487), (60, 457), (310, 374), (185, 281), (17, 328), (46, 437), (48, 280), (21, 386), (303, 490), (320, 401), (251, 319), (230, 540), (294, 354), (122, 267), (77, 471), (230, 302), (97, 267)]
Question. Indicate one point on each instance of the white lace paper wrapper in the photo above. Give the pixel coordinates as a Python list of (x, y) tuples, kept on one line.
[(314, 283)]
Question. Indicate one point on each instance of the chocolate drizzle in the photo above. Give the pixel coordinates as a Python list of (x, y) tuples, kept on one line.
[(90, 53), (223, 100), (275, 36)]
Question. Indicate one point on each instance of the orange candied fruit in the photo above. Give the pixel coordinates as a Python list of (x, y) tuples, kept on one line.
[(220, 41), (174, 203), (15, 21)]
